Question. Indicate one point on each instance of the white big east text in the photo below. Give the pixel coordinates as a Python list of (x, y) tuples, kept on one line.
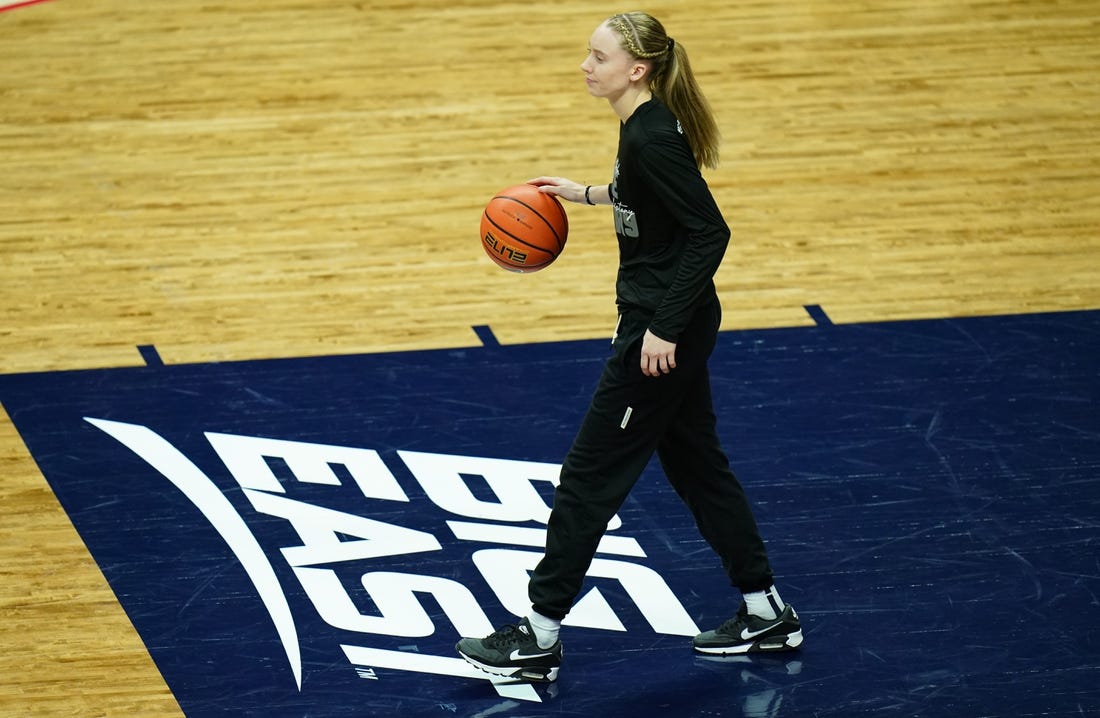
[(507, 532)]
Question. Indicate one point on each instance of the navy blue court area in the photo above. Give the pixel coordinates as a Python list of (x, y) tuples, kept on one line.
[(310, 537)]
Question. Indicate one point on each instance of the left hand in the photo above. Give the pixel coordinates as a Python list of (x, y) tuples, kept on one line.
[(658, 356)]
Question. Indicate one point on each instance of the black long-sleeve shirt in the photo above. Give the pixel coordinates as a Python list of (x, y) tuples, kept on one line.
[(671, 233)]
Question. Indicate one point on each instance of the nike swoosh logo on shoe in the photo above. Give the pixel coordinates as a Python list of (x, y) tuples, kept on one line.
[(747, 635), (519, 656)]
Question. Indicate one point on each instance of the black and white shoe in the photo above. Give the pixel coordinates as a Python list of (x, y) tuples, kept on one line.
[(513, 652), (746, 633)]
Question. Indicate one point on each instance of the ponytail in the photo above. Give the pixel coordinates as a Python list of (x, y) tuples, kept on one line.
[(672, 81)]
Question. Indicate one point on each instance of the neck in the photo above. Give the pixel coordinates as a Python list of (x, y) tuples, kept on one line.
[(631, 100)]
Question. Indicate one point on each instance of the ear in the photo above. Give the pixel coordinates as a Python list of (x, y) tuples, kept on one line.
[(638, 71)]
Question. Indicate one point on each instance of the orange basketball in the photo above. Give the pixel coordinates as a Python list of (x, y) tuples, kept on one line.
[(522, 229)]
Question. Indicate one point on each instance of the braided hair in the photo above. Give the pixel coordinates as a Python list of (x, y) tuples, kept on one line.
[(671, 80)]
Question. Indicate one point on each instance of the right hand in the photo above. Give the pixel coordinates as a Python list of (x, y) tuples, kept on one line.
[(565, 188)]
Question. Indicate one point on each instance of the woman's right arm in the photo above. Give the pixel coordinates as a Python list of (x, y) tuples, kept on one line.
[(573, 191)]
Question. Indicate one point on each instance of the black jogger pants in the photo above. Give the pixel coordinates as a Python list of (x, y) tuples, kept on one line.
[(631, 416)]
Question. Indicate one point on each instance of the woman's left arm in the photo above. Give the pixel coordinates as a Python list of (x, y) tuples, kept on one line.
[(686, 195)]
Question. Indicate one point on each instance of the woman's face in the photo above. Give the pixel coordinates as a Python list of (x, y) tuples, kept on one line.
[(609, 69)]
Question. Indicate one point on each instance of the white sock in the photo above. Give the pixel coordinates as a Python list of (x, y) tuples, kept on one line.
[(546, 629), (765, 604)]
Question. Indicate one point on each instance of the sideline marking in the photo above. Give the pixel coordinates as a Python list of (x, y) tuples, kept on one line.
[(818, 315), (150, 355), (485, 334)]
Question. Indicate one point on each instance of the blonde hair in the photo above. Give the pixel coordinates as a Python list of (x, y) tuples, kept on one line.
[(671, 81)]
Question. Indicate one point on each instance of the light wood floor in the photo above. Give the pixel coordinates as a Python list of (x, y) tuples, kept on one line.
[(278, 178)]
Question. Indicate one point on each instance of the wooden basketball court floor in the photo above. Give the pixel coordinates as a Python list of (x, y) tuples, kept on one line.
[(284, 196)]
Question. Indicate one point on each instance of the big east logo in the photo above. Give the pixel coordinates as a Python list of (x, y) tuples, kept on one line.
[(504, 528)]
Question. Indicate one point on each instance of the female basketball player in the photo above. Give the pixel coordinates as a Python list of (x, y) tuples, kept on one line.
[(654, 393)]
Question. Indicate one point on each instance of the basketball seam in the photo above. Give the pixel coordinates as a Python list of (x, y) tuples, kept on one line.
[(499, 261), (520, 241), (557, 237)]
